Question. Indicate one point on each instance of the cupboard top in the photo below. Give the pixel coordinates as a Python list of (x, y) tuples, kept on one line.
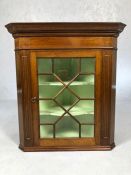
[(65, 29)]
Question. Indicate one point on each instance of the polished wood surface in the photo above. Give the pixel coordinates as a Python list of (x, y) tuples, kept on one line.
[(64, 54), (39, 43), (66, 40), (65, 29)]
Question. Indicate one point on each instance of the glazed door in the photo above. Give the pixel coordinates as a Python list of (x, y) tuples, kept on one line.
[(66, 97)]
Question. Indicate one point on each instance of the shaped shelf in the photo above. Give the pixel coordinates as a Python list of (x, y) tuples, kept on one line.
[(75, 111)]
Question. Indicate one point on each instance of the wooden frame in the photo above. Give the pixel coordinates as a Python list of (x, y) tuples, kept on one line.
[(71, 40), (63, 54)]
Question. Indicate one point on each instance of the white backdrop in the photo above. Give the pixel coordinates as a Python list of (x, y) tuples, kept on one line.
[(12, 160), (63, 10)]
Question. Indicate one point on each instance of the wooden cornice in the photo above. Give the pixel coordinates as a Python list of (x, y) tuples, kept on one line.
[(65, 29)]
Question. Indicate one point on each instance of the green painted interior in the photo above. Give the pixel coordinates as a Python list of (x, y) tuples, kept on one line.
[(49, 86)]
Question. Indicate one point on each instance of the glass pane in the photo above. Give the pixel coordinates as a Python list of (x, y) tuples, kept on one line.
[(49, 86), (87, 131), (66, 69), (83, 86), (67, 127), (83, 107), (44, 65), (66, 98), (88, 65), (50, 108), (54, 76), (85, 118), (46, 131)]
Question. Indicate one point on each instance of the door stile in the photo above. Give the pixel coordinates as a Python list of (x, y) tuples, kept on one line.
[(34, 99)]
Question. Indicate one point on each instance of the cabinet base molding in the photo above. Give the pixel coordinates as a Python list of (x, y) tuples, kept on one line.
[(87, 148)]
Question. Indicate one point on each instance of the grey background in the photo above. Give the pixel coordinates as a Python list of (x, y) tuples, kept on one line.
[(63, 10), (12, 160)]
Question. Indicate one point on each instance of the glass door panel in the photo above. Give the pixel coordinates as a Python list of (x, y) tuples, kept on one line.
[(66, 97)]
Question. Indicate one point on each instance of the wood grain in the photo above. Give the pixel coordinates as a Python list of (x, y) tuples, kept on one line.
[(39, 43), (66, 29), (64, 40)]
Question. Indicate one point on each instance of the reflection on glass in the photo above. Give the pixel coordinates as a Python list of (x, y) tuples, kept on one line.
[(46, 131), (85, 118), (49, 86), (66, 98), (49, 108), (83, 107), (44, 66), (87, 131), (67, 127), (66, 69), (83, 86), (66, 92), (88, 65)]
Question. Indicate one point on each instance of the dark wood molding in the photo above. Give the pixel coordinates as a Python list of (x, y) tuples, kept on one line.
[(65, 29), (85, 148)]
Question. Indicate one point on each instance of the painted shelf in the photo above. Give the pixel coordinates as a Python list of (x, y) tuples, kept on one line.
[(75, 111), (75, 83)]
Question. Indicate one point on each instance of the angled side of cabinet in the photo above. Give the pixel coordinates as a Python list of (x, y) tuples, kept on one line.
[(66, 76), (24, 97)]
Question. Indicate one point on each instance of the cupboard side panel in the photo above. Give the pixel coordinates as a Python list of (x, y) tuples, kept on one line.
[(106, 97), (19, 97), (113, 96), (26, 98)]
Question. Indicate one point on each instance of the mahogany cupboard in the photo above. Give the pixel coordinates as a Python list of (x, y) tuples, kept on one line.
[(66, 76)]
